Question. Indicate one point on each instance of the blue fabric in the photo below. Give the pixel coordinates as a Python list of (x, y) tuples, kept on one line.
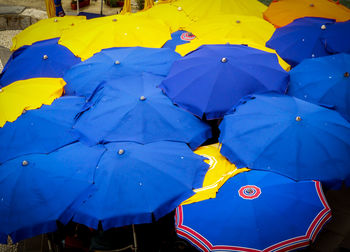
[(34, 196), (59, 9), (264, 134), (89, 15), (83, 78), (285, 209), (118, 114), (28, 62), (337, 38), (41, 130), (300, 39), (203, 85), (176, 40), (324, 81), (146, 179)]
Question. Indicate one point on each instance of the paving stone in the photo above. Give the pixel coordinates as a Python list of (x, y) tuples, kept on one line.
[(327, 241), (345, 245), (339, 199), (3, 23), (340, 222), (34, 13), (5, 54), (7, 9)]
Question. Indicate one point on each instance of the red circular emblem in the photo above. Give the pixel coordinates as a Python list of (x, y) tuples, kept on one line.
[(187, 36), (249, 192)]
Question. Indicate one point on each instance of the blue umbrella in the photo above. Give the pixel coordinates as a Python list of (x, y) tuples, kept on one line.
[(41, 59), (178, 38), (337, 37), (300, 39), (37, 190), (289, 136), (41, 130), (134, 109), (212, 79), (324, 81), (59, 9), (135, 182), (112, 63), (256, 211)]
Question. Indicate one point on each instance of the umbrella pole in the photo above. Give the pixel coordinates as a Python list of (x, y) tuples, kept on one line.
[(135, 240), (78, 9), (101, 7)]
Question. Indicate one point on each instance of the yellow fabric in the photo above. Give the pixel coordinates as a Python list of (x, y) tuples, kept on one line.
[(45, 29), (283, 12), (28, 94), (148, 4), (50, 8), (233, 27), (205, 8), (126, 7), (219, 172), (194, 44), (91, 36), (169, 14)]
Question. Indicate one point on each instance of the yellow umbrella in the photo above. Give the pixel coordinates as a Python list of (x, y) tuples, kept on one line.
[(91, 36), (195, 43), (148, 4), (206, 8), (45, 29), (126, 7), (219, 172), (50, 8), (28, 94), (234, 27), (169, 14)]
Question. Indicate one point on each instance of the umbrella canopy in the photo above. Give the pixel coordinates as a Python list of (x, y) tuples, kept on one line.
[(135, 181), (289, 136), (45, 29), (174, 18), (82, 79), (89, 37), (300, 40), (256, 211), (178, 38), (203, 9), (42, 59), (211, 80), (28, 94), (134, 109), (37, 190), (41, 130), (219, 172), (282, 12), (337, 38), (324, 81), (234, 27)]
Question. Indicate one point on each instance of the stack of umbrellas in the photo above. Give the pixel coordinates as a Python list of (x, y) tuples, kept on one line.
[(105, 122)]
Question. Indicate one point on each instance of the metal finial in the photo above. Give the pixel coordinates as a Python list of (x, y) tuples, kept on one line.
[(346, 74), (121, 151), (142, 98), (45, 57), (25, 163), (298, 118), (224, 60), (238, 21), (55, 20), (323, 27), (312, 5), (179, 8), (117, 62), (114, 20)]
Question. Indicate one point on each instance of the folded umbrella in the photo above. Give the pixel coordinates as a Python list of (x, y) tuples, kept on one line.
[(324, 81), (301, 39), (41, 130), (289, 136), (45, 29), (90, 37), (42, 59), (134, 109), (283, 12), (28, 94), (256, 211), (37, 190), (135, 182), (83, 78), (211, 80)]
